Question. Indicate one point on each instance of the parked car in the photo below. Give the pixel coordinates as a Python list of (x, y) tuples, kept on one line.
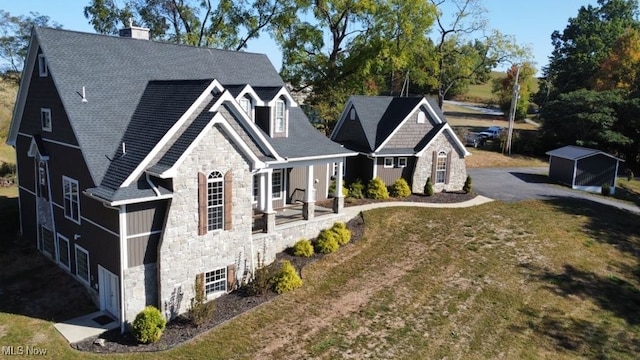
[(492, 132), (474, 139)]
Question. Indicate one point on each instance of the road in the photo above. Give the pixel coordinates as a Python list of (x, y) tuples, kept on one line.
[(514, 184)]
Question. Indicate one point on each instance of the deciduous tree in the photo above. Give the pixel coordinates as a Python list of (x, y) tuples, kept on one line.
[(503, 88)]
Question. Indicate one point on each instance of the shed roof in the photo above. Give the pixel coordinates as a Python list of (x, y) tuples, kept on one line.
[(572, 152)]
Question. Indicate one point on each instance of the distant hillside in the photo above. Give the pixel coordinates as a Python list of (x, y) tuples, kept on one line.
[(482, 93), (8, 91)]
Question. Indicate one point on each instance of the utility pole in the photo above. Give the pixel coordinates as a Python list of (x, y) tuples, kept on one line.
[(512, 111)]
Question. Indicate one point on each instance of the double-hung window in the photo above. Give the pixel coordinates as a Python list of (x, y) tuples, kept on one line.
[(82, 264), (215, 200), (441, 167), (71, 195), (279, 116), (215, 281), (63, 251), (276, 184), (245, 104)]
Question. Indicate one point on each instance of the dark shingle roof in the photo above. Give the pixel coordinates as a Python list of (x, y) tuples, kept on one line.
[(380, 115), (572, 152), (115, 73)]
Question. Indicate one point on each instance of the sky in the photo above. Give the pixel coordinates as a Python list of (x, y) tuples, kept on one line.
[(530, 22)]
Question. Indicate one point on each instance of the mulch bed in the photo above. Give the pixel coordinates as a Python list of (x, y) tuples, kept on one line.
[(181, 330)]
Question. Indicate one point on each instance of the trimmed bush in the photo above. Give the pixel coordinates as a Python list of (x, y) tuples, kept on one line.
[(286, 279), (606, 189), (148, 326), (468, 185), (400, 189), (356, 189), (376, 189), (303, 248), (332, 189), (428, 187), (344, 234), (327, 242)]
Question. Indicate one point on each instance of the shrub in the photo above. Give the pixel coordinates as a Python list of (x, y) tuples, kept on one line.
[(468, 185), (332, 189), (287, 278), (428, 187), (356, 189), (303, 248), (344, 234), (327, 242), (377, 189), (606, 189), (7, 169), (261, 282), (200, 311), (400, 188), (148, 325), (630, 175)]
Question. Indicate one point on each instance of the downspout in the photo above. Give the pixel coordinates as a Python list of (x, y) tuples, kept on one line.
[(153, 186), (123, 240)]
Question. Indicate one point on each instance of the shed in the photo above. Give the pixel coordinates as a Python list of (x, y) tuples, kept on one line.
[(583, 168)]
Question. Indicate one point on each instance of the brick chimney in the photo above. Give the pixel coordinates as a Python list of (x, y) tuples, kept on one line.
[(134, 32)]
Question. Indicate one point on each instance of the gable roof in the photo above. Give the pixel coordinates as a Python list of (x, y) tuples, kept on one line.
[(572, 152), (140, 92)]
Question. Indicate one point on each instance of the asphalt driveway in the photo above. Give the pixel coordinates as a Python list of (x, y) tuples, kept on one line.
[(515, 184)]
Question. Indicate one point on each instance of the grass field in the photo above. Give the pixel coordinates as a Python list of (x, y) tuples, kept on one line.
[(482, 92), (496, 281), (7, 98)]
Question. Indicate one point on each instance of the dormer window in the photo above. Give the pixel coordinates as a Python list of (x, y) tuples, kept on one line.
[(42, 66), (245, 104), (279, 118)]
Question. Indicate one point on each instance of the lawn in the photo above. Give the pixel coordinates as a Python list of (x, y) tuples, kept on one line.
[(486, 282)]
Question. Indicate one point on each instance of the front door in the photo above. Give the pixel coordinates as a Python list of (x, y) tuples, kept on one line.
[(109, 292)]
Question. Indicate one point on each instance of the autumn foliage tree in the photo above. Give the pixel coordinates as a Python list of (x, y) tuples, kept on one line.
[(621, 68), (503, 88)]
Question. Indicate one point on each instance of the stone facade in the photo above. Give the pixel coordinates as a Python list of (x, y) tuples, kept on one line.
[(424, 166), (182, 253), (140, 289)]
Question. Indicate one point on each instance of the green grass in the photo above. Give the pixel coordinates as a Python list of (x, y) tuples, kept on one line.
[(8, 93), (481, 93), (510, 280)]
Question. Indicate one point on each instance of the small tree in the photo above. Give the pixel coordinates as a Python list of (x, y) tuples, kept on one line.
[(148, 325), (377, 189), (200, 311), (356, 189), (400, 188), (606, 189), (428, 187), (468, 185)]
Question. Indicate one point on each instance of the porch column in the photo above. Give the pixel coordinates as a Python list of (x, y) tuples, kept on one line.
[(338, 199), (308, 207), (266, 187)]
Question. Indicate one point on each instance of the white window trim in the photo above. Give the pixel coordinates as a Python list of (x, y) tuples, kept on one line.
[(46, 113), (249, 109), (284, 117), (44, 248), (255, 184), (422, 117), (402, 162), (352, 114), (219, 180), (441, 155), (281, 172), (66, 179), (223, 280), (42, 66), (80, 248), (67, 266), (384, 162)]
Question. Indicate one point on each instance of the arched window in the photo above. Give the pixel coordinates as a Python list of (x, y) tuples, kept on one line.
[(215, 200), (421, 117), (352, 114), (441, 167)]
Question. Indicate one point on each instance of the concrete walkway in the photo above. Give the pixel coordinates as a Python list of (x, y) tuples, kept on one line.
[(353, 211), (84, 327)]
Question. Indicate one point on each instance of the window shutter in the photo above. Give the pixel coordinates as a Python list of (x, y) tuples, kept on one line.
[(202, 204), (447, 177), (231, 277), (228, 196), (200, 286), (434, 164)]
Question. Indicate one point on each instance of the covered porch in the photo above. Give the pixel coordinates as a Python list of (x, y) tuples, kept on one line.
[(281, 198)]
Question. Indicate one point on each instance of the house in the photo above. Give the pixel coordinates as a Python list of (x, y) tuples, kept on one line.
[(145, 167), (404, 137), (583, 168)]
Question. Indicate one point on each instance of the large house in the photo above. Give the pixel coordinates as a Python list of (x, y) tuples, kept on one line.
[(404, 137), (144, 166)]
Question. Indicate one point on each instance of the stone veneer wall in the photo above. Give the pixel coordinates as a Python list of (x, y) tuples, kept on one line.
[(423, 169), (182, 252), (140, 288)]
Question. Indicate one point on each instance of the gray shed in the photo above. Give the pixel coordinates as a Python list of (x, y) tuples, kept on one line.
[(583, 168)]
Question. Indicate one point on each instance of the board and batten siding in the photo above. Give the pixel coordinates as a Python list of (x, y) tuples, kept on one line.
[(561, 170), (147, 221), (390, 175), (298, 183), (142, 249), (596, 170)]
